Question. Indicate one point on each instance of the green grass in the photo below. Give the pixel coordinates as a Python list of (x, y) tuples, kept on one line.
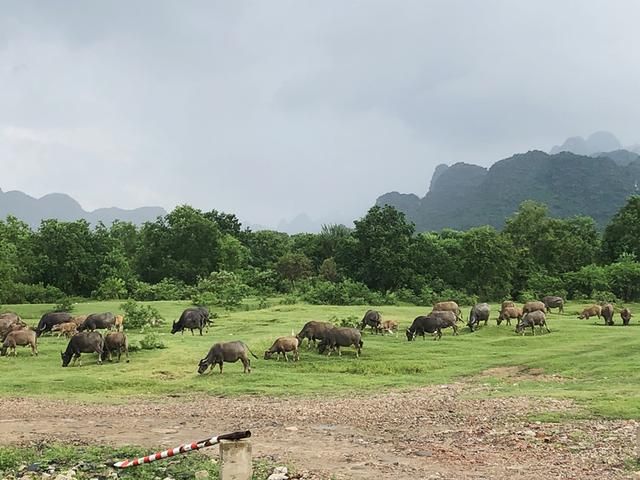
[(95, 461), (598, 365)]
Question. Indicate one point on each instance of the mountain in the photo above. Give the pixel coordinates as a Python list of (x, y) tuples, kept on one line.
[(594, 143), (464, 196), (62, 207)]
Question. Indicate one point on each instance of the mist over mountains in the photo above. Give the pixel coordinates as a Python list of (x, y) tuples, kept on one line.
[(62, 207), (592, 177)]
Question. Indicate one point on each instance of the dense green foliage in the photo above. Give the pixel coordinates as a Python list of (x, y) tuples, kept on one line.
[(594, 365), (207, 257)]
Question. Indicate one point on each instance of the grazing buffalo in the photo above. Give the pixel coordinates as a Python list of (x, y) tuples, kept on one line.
[(206, 320), (553, 302), (508, 313), (607, 314), (115, 342), (83, 342), (533, 307), (390, 326), (313, 331), (507, 304), (97, 321), (432, 323), (625, 315), (532, 319), (192, 318), (478, 313), (592, 311), (8, 323), (282, 346), (48, 320), (68, 329), (229, 352), (23, 337), (371, 319), (341, 337), (449, 307)]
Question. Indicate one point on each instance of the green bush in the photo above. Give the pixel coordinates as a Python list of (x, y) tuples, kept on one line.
[(458, 296), (111, 288), (603, 297), (166, 289), (30, 293), (151, 341), (64, 304), (225, 289), (139, 316), (351, 321)]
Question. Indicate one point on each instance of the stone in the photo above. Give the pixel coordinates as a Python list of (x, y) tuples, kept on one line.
[(281, 470), (202, 475), (291, 429), (278, 476)]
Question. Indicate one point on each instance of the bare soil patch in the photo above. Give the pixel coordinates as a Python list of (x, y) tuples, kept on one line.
[(428, 433)]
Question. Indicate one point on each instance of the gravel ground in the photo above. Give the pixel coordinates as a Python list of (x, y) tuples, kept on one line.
[(428, 433)]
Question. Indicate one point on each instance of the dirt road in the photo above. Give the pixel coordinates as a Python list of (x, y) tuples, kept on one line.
[(429, 433)]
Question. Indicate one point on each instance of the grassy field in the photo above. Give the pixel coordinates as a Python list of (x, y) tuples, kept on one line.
[(597, 365)]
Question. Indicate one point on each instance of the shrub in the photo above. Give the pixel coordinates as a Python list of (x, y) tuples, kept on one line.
[(166, 289), (112, 288), (65, 304), (30, 293), (458, 296), (289, 299), (151, 341), (223, 288), (603, 297), (351, 321), (140, 316)]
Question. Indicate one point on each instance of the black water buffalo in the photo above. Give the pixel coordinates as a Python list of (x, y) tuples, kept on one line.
[(432, 323), (530, 320), (341, 337), (115, 342), (192, 318), (371, 319), (48, 320), (313, 331), (478, 313), (97, 321), (553, 302), (84, 342), (229, 352)]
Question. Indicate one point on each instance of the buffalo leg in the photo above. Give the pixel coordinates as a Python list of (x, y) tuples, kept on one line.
[(200, 331), (339, 352), (285, 356), (247, 365), (221, 367)]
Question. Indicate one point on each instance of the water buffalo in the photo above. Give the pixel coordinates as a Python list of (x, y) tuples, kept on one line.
[(341, 337), (533, 307), (229, 352), (507, 304), (390, 326), (48, 320), (192, 318), (607, 314), (97, 321), (477, 314), (83, 342), (508, 313), (449, 307), (282, 346), (8, 323), (68, 329), (432, 323), (313, 331), (115, 342), (23, 337), (592, 311), (625, 315), (371, 319), (532, 319), (553, 302)]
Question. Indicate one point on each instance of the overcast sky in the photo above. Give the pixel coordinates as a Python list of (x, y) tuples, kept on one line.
[(269, 109)]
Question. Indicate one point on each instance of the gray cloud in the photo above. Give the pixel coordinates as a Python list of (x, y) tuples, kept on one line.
[(269, 109)]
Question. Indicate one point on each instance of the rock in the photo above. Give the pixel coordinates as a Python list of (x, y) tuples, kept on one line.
[(281, 470), (34, 467), (423, 453), (278, 476), (202, 475), (291, 429)]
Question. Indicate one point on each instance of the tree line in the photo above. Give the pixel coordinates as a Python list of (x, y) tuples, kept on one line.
[(210, 258)]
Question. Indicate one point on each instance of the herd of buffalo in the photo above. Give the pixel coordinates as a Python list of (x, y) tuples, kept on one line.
[(84, 337)]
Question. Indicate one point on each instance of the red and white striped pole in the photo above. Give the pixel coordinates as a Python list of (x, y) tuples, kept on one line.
[(187, 447)]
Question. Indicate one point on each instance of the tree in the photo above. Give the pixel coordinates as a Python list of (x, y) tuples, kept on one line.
[(234, 255), (381, 253), (329, 270), (622, 235), (294, 266), (267, 247)]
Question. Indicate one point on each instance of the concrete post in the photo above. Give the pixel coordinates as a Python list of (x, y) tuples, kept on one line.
[(235, 460)]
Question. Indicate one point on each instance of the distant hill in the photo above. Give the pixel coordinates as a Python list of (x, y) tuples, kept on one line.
[(463, 196), (62, 207)]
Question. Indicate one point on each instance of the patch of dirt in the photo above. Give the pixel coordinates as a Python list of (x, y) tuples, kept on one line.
[(521, 373), (428, 433)]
